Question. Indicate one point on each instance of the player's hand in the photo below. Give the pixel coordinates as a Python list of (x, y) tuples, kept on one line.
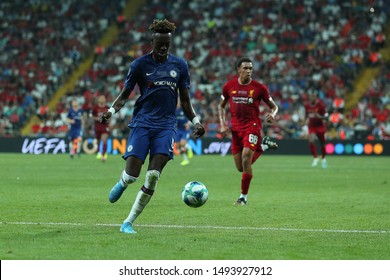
[(198, 130), (225, 131), (269, 118), (105, 117)]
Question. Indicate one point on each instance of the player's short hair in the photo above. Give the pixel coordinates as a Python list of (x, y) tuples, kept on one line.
[(312, 92), (162, 26), (241, 60)]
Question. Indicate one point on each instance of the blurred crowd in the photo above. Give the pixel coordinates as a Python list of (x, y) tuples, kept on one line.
[(41, 44), (298, 47)]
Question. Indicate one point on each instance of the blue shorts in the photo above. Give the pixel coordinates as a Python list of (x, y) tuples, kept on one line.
[(143, 140), (74, 134), (182, 134)]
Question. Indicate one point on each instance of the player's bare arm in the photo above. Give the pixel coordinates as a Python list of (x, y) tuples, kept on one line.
[(224, 129), (324, 117), (189, 111), (70, 121), (270, 117), (119, 102)]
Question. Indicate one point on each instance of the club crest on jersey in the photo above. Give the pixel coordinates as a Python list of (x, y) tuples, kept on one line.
[(173, 73)]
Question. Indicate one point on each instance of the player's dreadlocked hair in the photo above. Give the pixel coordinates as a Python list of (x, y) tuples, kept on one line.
[(162, 26)]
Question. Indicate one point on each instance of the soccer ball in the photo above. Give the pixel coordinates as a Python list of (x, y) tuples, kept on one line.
[(195, 194)]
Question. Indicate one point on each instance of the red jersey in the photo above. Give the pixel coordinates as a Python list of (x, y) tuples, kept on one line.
[(312, 110), (244, 101), (96, 112)]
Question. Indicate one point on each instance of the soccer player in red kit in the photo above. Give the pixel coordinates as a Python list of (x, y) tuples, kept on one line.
[(244, 96), (315, 115), (102, 130)]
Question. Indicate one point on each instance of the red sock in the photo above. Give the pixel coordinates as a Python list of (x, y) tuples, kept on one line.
[(104, 150), (245, 182), (313, 149), (323, 152)]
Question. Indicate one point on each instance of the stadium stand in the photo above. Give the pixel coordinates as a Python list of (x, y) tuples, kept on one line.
[(41, 45)]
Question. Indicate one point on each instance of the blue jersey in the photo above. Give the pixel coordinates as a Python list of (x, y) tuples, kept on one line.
[(76, 116), (158, 84), (181, 120)]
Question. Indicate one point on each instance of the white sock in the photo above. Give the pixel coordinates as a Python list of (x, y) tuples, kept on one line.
[(151, 179), (127, 179), (144, 195), (140, 203)]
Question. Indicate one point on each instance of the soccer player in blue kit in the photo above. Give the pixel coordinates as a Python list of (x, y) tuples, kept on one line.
[(182, 136), (162, 78), (75, 119)]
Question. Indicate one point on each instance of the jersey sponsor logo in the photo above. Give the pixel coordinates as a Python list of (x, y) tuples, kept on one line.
[(148, 74), (165, 83), (129, 148), (242, 100)]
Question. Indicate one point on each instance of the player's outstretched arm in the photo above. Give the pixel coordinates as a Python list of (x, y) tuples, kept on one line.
[(118, 103), (224, 129), (270, 117)]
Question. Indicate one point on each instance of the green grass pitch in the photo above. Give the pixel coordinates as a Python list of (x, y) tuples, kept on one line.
[(55, 208)]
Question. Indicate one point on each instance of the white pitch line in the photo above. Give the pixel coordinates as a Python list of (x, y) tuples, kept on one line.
[(206, 227)]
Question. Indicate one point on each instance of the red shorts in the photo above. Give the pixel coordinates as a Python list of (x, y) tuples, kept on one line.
[(319, 131), (100, 131), (249, 138)]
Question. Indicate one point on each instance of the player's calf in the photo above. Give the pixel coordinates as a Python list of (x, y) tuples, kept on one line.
[(117, 191)]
